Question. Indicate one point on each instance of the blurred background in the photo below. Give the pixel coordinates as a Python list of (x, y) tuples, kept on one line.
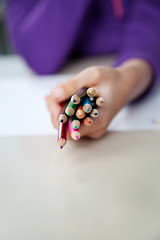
[(4, 43), (19, 83)]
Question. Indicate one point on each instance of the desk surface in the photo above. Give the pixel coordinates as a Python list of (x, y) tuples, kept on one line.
[(106, 189)]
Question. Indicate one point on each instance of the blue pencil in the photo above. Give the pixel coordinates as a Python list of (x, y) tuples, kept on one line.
[(87, 107)]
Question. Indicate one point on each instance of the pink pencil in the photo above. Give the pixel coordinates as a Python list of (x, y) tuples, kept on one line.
[(75, 134)]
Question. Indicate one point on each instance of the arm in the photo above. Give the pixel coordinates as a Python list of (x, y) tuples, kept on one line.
[(142, 35), (43, 32)]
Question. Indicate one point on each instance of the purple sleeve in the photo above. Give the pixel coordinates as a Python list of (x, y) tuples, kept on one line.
[(142, 35), (38, 30)]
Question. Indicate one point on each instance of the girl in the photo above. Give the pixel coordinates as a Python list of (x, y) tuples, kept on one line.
[(48, 33)]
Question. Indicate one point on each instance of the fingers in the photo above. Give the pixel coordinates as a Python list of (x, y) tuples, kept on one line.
[(48, 100), (87, 78), (97, 134), (54, 121), (94, 133), (96, 130), (55, 110), (69, 138), (108, 83)]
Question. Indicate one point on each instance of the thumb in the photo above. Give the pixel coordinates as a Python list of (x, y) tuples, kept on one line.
[(65, 90)]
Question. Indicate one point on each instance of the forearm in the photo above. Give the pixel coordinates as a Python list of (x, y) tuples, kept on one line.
[(141, 36), (137, 77)]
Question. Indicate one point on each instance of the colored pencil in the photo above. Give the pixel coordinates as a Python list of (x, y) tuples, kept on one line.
[(82, 105), (93, 102), (75, 134), (76, 98), (88, 121), (91, 92), (75, 122), (62, 134), (99, 101), (63, 117), (94, 113), (87, 107), (80, 113), (70, 109)]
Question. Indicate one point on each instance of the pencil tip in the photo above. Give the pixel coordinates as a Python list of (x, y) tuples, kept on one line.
[(68, 113), (87, 109), (74, 100), (77, 138), (61, 147)]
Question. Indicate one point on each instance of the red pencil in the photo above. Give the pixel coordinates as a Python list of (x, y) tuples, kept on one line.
[(62, 134), (88, 121)]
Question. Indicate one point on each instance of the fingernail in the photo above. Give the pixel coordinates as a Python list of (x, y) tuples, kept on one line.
[(57, 93)]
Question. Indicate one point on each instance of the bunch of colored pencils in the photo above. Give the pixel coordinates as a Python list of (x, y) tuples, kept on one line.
[(80, 109)]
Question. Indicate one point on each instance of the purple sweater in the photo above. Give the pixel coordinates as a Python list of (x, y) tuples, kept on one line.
[(49, 32)]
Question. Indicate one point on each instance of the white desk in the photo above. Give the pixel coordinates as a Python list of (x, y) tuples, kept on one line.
[(23, 110)]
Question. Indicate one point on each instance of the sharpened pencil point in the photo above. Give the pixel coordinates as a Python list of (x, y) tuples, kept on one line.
[(61, 147), (61, 121), (77, 138), (74, 100), (87, 109), (68, 113)]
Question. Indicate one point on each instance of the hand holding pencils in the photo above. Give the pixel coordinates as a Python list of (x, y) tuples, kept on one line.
[(80, 109), (114, 86)]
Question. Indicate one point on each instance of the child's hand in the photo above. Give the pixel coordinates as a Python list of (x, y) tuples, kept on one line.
[(116, 86)]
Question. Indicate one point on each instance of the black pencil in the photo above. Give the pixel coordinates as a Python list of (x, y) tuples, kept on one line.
[(63, 117)]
